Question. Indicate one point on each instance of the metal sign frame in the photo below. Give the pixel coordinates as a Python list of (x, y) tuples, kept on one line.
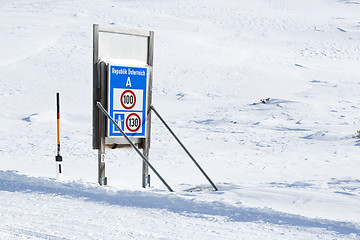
[(119, 46)]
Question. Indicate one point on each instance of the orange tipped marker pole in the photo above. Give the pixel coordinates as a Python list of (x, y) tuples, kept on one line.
[(58, 157)]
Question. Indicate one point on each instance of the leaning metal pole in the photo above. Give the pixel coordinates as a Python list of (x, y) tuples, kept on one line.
[(182, 145), (132, 144)]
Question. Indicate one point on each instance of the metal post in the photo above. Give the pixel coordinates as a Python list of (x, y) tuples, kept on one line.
[(145, 167), (96, 87), (182, 145), (146, 149), (146, 142), (102, 125), (132, 144), (146, 146)]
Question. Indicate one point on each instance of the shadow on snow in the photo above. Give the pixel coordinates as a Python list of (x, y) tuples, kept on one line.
[(10, 181)]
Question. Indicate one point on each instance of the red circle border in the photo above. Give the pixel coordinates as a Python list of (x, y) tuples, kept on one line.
[(121, 98), (128, 119)]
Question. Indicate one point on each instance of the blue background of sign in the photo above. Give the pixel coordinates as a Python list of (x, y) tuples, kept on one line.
[(119, 80)]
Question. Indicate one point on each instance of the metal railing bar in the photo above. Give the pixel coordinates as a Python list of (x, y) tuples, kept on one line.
[(182, 145)]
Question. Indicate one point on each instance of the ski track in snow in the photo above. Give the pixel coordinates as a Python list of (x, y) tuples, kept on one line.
[(287, 165)]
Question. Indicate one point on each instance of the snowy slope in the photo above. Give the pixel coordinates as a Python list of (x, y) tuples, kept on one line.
[(286, 169)]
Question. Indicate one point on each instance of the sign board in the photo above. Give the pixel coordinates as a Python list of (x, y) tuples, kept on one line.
[(127, 100), (122, 79), (125, 49)]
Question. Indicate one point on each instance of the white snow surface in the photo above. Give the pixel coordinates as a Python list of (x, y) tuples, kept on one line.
[(286, 169)]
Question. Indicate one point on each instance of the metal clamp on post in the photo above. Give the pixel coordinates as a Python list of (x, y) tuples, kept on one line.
[(103, 181)]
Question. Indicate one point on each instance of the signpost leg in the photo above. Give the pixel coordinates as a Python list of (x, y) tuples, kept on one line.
[(101, 153), (146, 150), (145, 169), (101, 164), (102, 123)]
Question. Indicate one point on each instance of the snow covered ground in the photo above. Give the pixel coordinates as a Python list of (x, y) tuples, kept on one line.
[(286, 169)]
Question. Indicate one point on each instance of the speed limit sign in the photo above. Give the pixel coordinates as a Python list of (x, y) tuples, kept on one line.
[(128, 103), (128, 99), (133, 122)]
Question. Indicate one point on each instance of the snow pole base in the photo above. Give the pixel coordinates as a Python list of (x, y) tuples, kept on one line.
[(58, 164)]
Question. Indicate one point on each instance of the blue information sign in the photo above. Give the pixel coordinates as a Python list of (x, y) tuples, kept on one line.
[(127, 102)]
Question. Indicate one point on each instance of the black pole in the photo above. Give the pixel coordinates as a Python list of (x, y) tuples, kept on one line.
[(58, 157), (134, 147), (182, 145)]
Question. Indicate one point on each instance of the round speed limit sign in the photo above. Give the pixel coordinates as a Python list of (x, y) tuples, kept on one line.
[(133, 122), (128, 99)]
